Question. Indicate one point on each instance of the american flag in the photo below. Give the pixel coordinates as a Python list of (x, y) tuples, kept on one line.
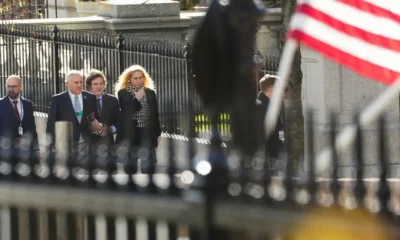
[(363, 35)]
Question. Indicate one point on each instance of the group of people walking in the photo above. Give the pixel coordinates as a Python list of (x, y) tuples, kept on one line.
[(129, 118)]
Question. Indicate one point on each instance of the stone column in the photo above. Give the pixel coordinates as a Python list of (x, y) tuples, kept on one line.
[(328, 87), (268, 41)]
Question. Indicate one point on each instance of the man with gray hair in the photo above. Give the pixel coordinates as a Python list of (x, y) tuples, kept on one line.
[(78, 107)]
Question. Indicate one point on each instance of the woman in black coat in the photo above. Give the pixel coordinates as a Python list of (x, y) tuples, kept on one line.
[(141, 128)]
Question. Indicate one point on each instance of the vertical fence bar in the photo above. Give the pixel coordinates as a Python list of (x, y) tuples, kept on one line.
[(311, 155), (71, 229), (189, 98), (151, 187), (30, 9), (55, 58), (14, 226), (111, 167), (120, 47), (173, 190), (383, 189), (162, 90), (51, 213), (194, 233), (56, 8), (169, 85), (91, 183), (216, 182), (47, 8), (12, 9), (33, 224), (65, 153), (290, 166), (131, 228), (110, 221), (91, 226), (335, 185), (33, 178), (360, 189)]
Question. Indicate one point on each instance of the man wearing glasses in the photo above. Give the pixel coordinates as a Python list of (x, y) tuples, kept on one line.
[(16, 118)]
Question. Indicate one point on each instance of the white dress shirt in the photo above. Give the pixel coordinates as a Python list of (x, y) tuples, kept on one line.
[(72, 96)]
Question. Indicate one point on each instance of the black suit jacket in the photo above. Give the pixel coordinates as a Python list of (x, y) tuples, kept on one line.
[(129, 105), (272, 145), (62, 109), (110, 115), (9, 121)]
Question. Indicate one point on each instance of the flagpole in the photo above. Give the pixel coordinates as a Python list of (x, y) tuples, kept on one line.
[(285, 67), (369, 115)]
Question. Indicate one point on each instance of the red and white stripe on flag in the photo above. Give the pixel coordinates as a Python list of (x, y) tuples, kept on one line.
[(363, 35)]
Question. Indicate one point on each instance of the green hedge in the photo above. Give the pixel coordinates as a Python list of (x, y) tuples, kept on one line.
[(188, 4), (203, 124)]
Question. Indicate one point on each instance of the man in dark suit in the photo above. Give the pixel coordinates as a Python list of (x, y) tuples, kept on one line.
[(109, 116), (75, 106), (16, 116), (107, 106), (273, 145)]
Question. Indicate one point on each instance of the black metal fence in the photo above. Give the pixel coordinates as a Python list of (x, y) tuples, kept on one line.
[(222, 196), (43, 55)]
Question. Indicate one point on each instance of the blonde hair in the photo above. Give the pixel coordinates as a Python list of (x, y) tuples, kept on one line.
[(126, 76)]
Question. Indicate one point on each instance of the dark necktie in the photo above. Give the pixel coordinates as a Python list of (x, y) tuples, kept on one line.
[(99, 106), (16, 109)]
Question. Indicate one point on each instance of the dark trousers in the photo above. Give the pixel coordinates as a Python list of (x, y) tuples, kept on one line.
[(142, 148)]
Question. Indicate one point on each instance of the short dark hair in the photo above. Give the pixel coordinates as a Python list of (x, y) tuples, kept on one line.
[(93, 74), (266, 82)]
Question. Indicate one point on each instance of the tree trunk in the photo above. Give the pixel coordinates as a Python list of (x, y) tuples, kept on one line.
[(293, 97)]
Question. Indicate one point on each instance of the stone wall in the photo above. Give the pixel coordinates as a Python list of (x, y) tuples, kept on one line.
[(328, 87), (166, 24)]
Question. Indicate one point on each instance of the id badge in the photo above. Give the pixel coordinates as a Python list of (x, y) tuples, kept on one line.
[(20, 131), (281, 135)]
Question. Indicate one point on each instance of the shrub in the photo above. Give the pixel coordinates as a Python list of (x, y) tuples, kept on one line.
[(188, 4)]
